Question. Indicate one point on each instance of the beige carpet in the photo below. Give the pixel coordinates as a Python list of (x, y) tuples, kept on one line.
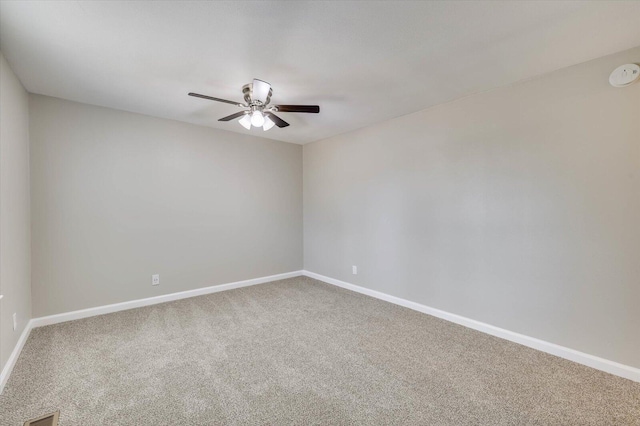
[(299, 351)]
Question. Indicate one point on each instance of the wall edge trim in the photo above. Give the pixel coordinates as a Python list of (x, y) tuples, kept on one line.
[(15, 354), (138, 303), (583, 358), (123, 306)]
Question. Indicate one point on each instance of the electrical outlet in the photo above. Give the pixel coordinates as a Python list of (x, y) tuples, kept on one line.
[(354, 270), (155, 279), (15, 321)]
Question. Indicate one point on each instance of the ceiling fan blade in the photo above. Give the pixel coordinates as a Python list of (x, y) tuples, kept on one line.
[(211, 98), (260, 90), (279, 121), (233, 116), (298, 108)]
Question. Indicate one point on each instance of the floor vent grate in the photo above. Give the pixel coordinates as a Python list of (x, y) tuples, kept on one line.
[(50, 419)]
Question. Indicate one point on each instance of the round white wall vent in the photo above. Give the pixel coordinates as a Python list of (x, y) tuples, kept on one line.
[(624, 75)]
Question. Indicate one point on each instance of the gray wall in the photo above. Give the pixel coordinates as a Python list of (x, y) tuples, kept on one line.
[(519, 207), (118, 196), (15, 240)]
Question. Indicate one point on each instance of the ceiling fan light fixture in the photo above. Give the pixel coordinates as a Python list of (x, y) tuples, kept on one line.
[(257, 119), (245, 121), (267, 123), (257, 96)]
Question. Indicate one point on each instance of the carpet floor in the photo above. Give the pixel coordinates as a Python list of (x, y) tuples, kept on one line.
[(299, 351)]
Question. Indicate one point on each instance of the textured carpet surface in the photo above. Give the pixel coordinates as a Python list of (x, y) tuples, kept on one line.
[(299, 351)]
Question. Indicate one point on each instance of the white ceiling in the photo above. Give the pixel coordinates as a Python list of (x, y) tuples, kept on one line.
[(362, 62)]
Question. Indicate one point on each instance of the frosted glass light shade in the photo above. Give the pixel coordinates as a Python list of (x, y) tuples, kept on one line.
[(257, 119), (267, 123), (245, 121)]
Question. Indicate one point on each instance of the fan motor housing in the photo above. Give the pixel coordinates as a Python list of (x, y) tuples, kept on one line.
[(247, 91)]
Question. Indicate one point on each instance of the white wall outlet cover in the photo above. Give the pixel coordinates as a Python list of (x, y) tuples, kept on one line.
[(625, 75), (15, 321), (155, 279), (354, 270)]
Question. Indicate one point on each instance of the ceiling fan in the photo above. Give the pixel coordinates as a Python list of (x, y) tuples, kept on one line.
[(257, 96)]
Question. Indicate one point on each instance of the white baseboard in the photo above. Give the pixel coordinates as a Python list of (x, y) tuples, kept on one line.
[(11, 362), (602, 364), (107, 309), (123, 306), (551, 348)]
